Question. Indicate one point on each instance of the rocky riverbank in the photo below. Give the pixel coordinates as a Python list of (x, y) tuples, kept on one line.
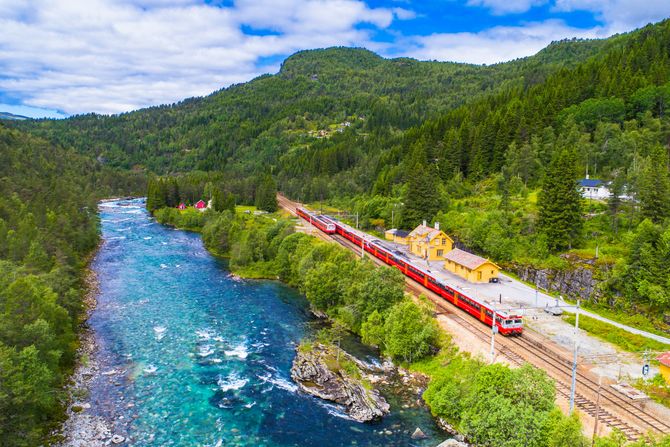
[(82, 429), (329, 373)]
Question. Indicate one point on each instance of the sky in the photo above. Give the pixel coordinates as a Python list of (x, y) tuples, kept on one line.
[(65, 57)]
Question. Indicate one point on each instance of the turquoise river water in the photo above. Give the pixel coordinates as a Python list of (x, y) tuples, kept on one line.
[(190, 356)]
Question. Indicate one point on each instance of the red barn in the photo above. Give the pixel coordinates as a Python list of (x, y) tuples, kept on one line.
[(200, 205), (182, 206)]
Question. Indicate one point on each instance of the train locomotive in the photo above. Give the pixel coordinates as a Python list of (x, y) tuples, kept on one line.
[(507, 324)]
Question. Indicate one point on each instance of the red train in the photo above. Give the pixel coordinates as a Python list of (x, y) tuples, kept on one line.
[(321, 222), (506, 323)]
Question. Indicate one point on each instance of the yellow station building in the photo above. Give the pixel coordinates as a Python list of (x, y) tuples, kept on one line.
[(471, 267), (429, 243)]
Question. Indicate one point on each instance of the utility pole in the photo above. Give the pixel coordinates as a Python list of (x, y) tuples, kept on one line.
[(595, 426), (494, 329), (574, 362)]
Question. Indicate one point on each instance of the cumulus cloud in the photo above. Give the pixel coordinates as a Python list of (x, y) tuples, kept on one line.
[(619, 15), (112, 56), (507, 6), (498, 44)]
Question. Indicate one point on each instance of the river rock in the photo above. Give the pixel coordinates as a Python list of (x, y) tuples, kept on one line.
[(316, 371), (117, 439), (452, 443), (418, 434)]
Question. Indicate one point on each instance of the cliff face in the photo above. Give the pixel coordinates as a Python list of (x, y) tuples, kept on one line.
[(321, 372), (580, 280)]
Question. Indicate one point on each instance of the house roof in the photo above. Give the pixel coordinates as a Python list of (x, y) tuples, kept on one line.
[(399, 233), (664, 358), (590, 182), (466, 259), (424, 231)]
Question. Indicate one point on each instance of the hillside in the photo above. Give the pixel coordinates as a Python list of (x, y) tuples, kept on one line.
[(48, 228), (11, 116), (256, 122)]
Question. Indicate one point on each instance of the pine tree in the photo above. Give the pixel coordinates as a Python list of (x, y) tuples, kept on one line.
[(654, 187), (560, 203), (266, 194), (422, 199)]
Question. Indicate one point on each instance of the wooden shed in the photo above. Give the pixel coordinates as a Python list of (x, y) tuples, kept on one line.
[(471, 267)]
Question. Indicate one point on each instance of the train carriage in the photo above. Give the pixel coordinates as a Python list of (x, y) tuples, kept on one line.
[(507, 324), (317, 220)]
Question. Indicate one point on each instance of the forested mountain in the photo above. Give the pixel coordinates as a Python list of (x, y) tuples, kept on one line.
[(250, 126), (340, 121), (48, 228)]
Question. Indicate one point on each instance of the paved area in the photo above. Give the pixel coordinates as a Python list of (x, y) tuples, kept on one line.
[(511, 294)]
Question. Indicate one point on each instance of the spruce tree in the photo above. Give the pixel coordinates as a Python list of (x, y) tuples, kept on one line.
[(266, 194), (560, 203), (654, 187), (422, 199)]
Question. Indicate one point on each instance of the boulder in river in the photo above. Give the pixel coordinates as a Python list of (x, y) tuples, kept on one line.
[(329, 373), (452, 443), (418, 434)]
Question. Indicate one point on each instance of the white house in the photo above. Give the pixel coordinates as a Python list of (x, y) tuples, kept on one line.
[(592, 188)]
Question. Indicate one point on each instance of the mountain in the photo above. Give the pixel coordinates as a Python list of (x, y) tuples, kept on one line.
[(11, 116), (258, 121), (343, 121)]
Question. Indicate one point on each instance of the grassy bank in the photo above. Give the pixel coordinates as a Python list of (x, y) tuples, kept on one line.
[(622, 339)]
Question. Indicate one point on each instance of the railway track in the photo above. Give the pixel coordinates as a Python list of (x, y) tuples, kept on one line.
[(530, 349)]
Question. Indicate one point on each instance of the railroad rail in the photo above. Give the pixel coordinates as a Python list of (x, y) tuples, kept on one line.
[(530, 349)]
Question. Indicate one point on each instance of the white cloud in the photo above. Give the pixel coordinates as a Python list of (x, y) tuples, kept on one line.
[(498, 44), (112, 56), (620, 15), (506, 6), (404, 14)]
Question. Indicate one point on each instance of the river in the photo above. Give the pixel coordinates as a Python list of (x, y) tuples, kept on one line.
[(190, 356)]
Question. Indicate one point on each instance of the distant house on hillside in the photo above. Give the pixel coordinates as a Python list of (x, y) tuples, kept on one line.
[(471, 267), (182, 206), (592, 188), (429, 243), (200, 205)]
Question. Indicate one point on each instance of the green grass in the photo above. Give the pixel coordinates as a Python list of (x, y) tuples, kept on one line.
[(242, 208), (257, 270), (637, 320), (618, 337), (656, 389)]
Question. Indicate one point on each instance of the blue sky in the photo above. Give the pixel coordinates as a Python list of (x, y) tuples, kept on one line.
[(111, 56)]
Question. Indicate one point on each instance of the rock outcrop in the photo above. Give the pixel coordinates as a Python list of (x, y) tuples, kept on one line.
[(579, 280), (318, 371)]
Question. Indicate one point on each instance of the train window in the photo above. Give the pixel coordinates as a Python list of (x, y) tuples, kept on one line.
[(518, 321)]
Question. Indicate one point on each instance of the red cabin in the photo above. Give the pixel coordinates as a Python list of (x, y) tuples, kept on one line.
[(200, 205), (182, 206)]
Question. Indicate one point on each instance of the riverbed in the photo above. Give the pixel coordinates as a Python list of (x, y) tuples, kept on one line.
[(188, 355)]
